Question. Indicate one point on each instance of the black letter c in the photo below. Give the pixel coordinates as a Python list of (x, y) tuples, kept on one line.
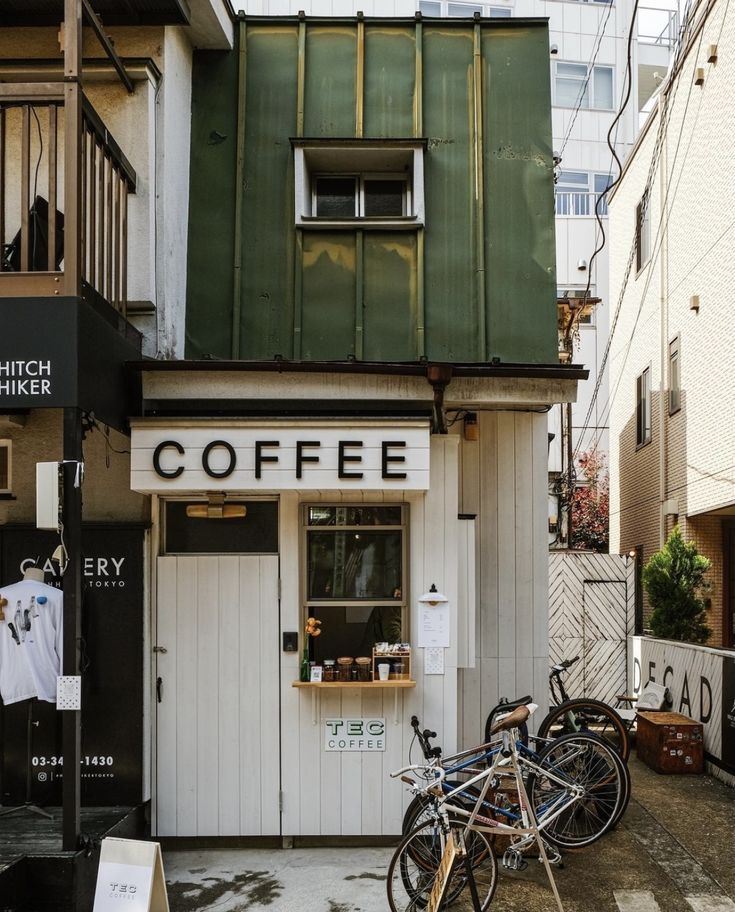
[(167, 444)]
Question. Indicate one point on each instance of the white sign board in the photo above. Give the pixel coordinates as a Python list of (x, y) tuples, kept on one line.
[(130, 877), (354, 735), (433, 625), (277, 456)]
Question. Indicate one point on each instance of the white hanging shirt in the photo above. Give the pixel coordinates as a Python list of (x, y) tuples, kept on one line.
[(31, 639)]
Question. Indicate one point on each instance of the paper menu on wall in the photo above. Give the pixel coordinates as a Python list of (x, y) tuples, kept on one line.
[(433, 625)]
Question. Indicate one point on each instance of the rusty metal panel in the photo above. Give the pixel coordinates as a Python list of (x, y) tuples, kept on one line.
[(328, 295), (390, 80), (519, 196), (211, 214), (452, 312), (390, 301), (331, 72), (266, 325)]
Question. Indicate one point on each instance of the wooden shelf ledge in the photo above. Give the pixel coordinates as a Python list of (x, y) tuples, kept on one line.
[(374, 685)]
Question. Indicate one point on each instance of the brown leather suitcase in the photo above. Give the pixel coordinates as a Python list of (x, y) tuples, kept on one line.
[(670, 742)]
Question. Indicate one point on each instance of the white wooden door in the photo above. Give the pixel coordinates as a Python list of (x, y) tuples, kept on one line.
[(217, 703)]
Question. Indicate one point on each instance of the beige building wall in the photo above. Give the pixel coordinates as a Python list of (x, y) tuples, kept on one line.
[(685, 155), (106, 491)]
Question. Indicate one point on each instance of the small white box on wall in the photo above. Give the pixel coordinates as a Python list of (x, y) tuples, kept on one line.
[(47, 495)]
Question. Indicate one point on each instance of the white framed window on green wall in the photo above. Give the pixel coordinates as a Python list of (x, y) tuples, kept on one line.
[(355, 576)]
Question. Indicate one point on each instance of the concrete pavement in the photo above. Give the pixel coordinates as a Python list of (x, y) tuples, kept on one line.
[(673, 852)]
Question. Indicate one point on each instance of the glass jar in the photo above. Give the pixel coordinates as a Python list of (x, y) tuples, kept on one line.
[(363, 668), (330, 670), (344, 669), (398, 670)]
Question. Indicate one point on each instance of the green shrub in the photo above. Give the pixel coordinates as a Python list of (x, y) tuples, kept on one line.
[(671, 579)]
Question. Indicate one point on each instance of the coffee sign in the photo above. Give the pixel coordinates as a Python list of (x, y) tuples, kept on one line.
[(276, 456), (354, 735)]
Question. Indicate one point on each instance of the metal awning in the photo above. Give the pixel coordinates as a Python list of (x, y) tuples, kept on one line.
[(21, 13)]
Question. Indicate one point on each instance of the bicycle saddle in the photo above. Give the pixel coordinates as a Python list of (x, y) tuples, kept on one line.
[(512, 720)]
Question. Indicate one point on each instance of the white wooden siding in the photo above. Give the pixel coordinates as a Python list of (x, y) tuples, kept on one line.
[(331, 793), (591, 612), (504, 482), (217, 725), (467, 604)]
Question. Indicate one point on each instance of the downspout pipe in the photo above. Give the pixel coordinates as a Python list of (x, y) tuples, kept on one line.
[(439, 376)]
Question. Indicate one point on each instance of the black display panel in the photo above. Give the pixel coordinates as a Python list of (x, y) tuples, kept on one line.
[(255, 533), (112, 674)]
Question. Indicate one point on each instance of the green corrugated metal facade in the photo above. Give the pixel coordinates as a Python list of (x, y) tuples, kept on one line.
[(477, 282)]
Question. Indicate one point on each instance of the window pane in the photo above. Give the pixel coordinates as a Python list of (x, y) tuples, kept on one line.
[(335, 197), (674, 381), (256, 533), (579, 180), (4, 468), (603, 79), (354, 516), (571, 69), (354, 565), (568, 93), (602, 182), (353, 630), (427, 8), (384, 197), (463, 9), (500, 12)]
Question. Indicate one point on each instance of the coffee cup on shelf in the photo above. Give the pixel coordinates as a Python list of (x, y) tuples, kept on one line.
[(383, 671)]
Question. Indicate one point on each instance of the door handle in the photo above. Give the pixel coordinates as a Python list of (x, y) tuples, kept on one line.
[(159, 689)]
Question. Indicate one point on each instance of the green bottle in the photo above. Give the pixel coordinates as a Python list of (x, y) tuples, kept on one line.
[(305, 668)]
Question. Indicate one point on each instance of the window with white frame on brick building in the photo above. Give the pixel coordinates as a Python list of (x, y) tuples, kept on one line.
[(643, 408), (642, 232), (674, 377)]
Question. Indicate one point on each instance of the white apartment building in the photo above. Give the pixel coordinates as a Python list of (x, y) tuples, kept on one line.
[(671, 377), (588, 58)]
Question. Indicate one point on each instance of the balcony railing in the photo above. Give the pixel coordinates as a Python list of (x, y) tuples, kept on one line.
[(37, 229), (574, 202)]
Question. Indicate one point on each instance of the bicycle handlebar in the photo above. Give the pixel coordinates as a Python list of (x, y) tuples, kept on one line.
[(563, 666), (423, 737)]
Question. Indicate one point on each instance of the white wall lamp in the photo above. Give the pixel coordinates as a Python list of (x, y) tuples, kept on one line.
[(582, 265), (433, 597), (554, 49)]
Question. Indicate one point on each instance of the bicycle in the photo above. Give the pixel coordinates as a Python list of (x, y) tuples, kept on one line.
[(581, 765), (582, 714), (567, 831)]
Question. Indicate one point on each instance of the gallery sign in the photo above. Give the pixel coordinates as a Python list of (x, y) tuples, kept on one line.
[(112, 682), (354, 735), (271, 457)]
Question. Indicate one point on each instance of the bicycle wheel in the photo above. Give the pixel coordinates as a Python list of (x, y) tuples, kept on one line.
[(586, 761), (413, 869), (423, 807), (593, 716)]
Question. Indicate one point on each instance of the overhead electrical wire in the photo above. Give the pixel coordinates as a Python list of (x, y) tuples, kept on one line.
[(601, 26), (665, 116)]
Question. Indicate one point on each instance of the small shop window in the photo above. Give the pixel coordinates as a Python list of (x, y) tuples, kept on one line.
[(245, 527), (355, 577), (5, 466)]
